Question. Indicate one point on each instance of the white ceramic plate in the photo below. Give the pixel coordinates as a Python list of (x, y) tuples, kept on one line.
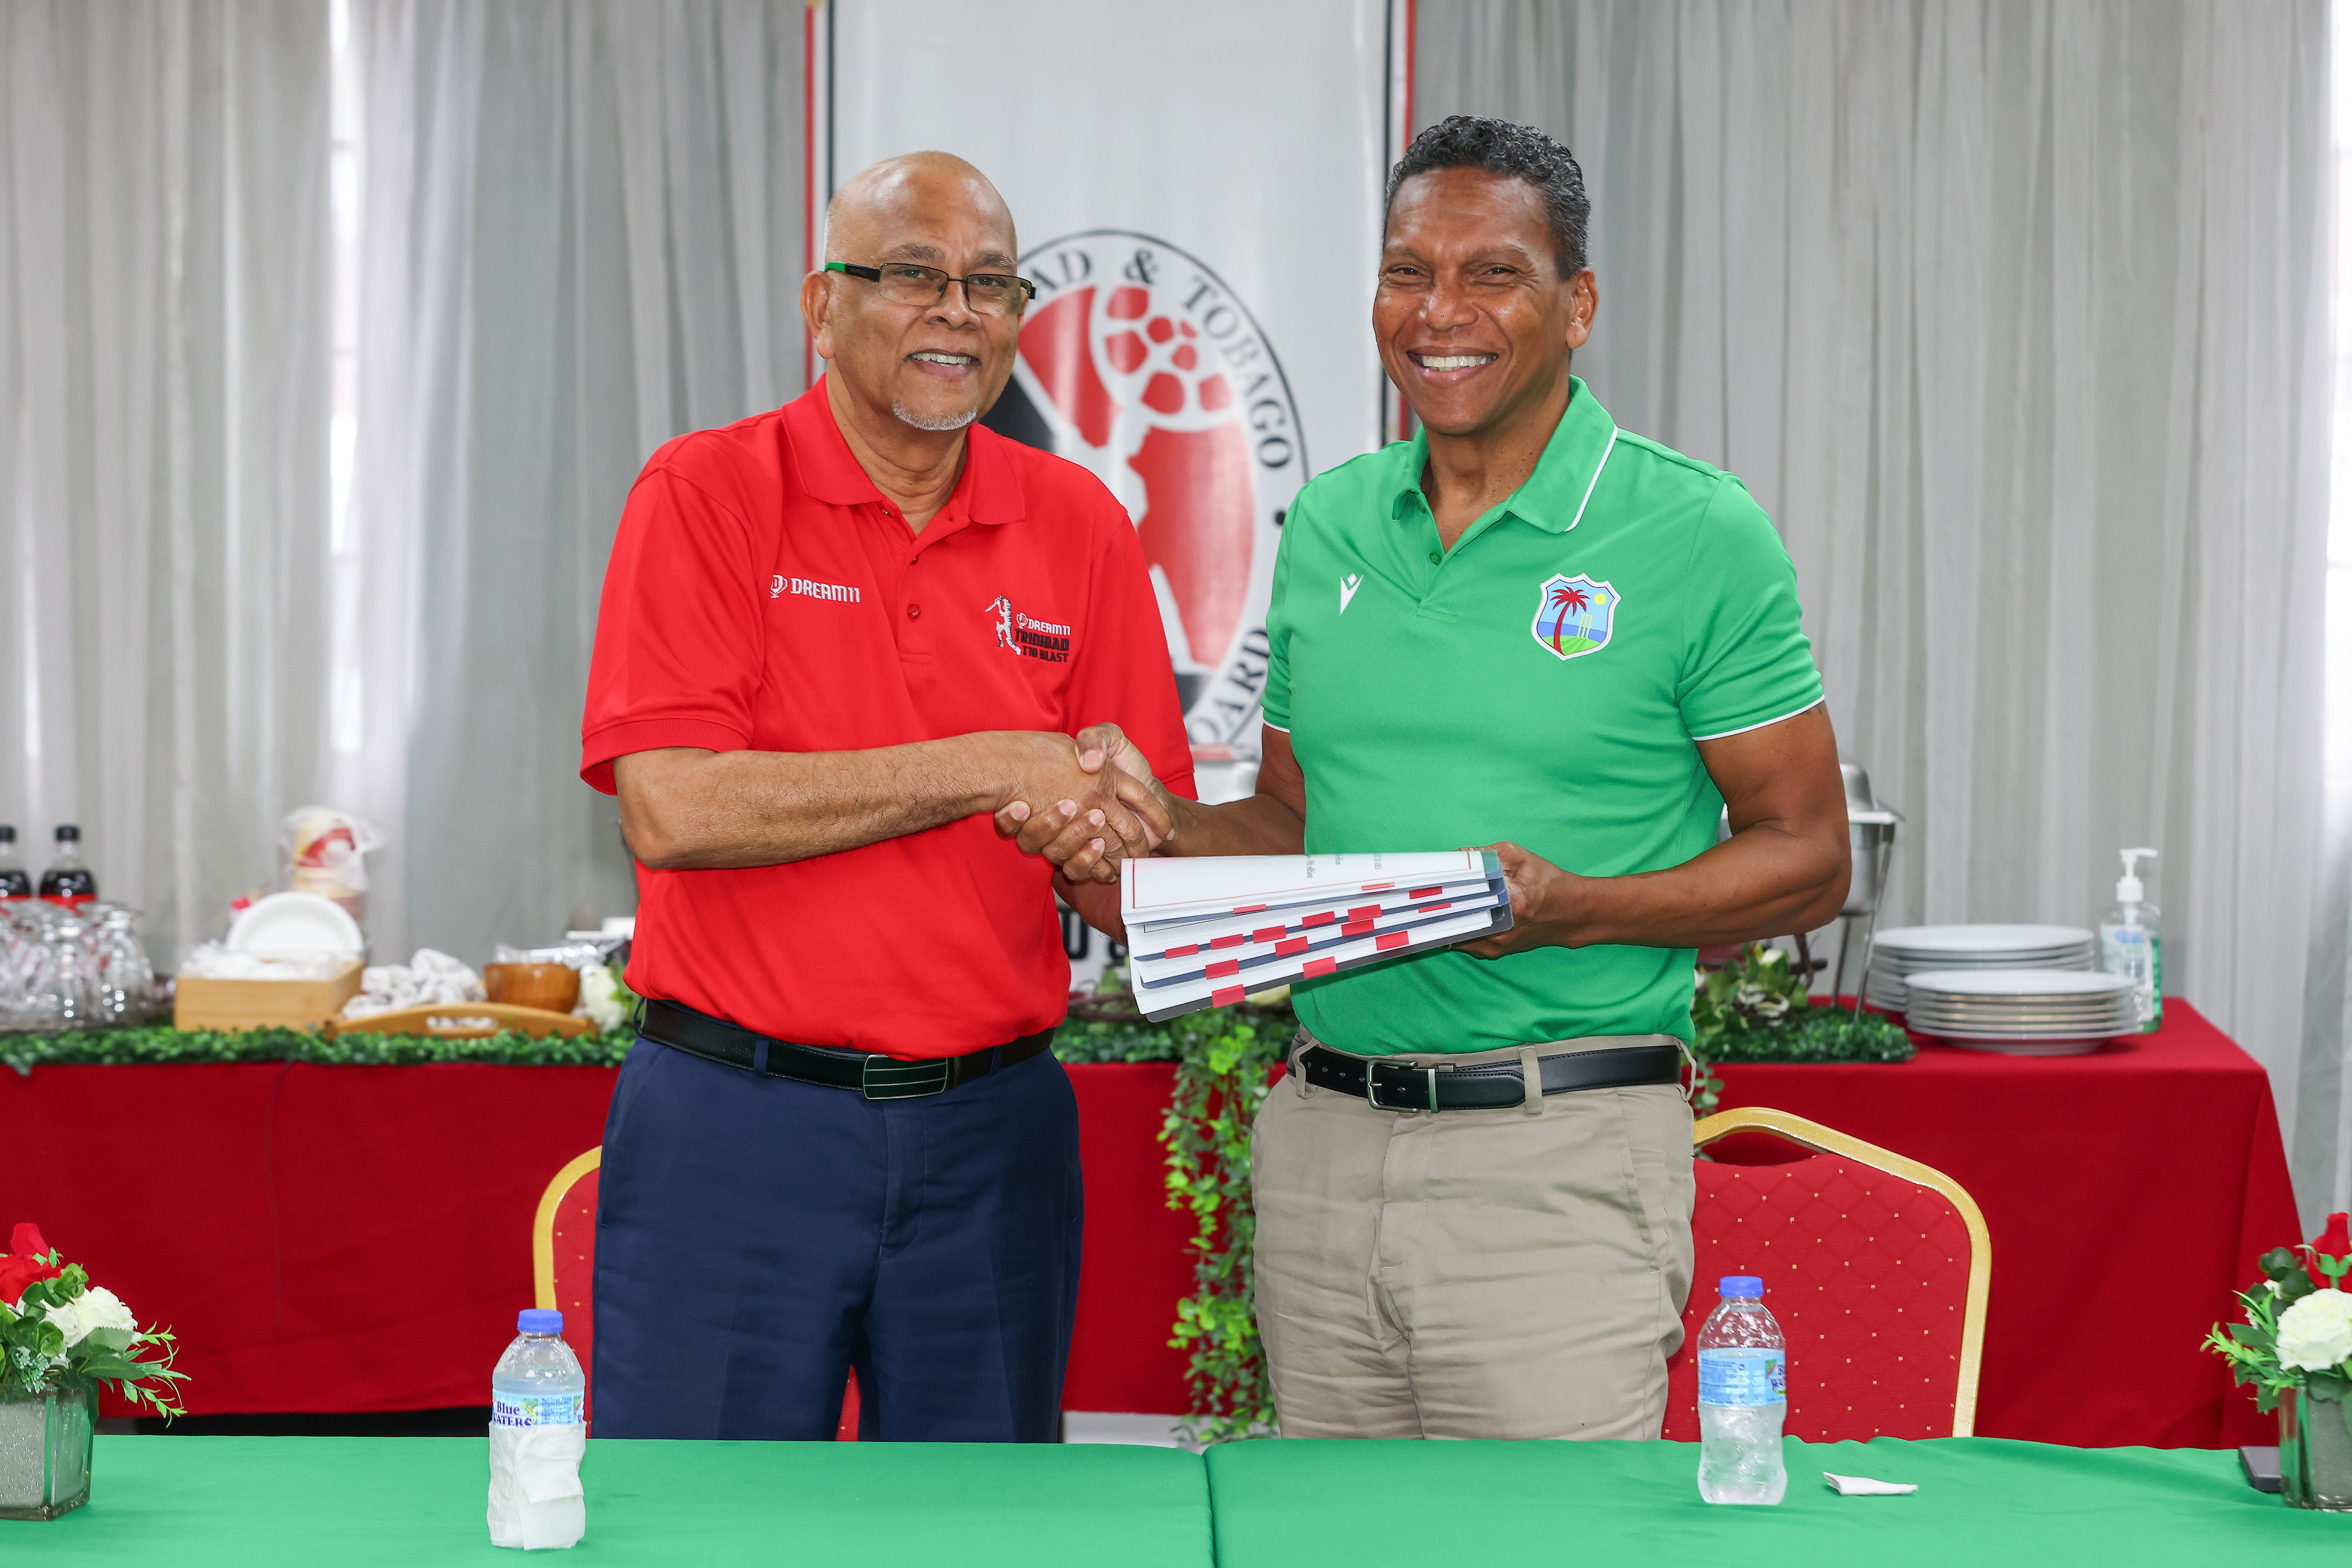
[(285, 924), (2035, 1029), (2025, 985), (1895, 968), (2022, 1006), (1926, 1007), (2072, 1046), (1983, 938)]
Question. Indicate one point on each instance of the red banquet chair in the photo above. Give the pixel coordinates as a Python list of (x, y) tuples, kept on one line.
[(563, 1268), (1875, 1266)]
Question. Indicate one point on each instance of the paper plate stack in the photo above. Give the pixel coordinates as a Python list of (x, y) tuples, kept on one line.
[(1911, 948), (2023, 1012)]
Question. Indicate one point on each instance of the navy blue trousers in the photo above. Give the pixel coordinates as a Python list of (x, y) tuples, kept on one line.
[(757, 1238)]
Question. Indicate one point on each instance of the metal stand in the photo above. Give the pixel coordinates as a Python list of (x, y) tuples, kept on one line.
[(1869, 933)]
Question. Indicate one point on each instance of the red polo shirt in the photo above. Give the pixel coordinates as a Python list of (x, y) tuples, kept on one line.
[(762, 596)]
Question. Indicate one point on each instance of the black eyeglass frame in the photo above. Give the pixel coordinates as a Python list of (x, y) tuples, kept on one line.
[(1027, 290)]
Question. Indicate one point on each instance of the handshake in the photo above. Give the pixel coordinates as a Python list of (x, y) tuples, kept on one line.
[(1086, 805)]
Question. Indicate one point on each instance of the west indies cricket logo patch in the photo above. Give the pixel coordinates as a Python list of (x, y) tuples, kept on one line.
[(1574, 616)]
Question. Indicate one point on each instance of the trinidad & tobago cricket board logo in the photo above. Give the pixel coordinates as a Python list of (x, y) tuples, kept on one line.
[(1138, 362), (1574, 616)]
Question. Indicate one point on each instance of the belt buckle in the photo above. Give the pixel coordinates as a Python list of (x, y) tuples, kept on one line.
[(1373, 1087), (883, 1079)]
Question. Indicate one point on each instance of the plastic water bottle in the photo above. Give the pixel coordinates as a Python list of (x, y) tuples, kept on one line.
[(539, 1434), (1743, 1393)]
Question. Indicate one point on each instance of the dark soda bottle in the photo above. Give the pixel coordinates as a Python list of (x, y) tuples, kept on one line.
[(67, 881), (15, 881)]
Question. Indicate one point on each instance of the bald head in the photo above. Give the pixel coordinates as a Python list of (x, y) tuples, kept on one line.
[(875, 214)]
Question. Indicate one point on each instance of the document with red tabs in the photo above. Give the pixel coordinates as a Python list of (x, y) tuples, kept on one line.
[(1208, 932)]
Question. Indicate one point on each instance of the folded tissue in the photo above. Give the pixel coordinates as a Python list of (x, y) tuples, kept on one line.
[(429, 979), (1862, 1485), (536, 1501)]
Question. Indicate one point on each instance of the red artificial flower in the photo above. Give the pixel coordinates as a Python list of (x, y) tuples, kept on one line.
[(27, 1259), (2336, 1241)]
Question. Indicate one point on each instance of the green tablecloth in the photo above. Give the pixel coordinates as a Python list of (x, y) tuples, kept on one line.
[(1981, 1501), (407, 1503), (357, 1502)]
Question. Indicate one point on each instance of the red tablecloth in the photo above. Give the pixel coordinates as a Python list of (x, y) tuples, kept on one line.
[(2128, 1194), (336, 1239), (357, 1237)]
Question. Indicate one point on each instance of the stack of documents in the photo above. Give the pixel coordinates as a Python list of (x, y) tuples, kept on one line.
[(1205, 933)]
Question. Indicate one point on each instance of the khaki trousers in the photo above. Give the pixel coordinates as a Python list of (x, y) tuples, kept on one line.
[(1487, 1274)]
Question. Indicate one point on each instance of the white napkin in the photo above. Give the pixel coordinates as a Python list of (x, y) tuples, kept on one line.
[(535, 1497), (218, 961), (1862, 1485), (430, 979)]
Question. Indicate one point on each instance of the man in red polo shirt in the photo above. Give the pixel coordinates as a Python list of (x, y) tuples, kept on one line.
[(833, 639)]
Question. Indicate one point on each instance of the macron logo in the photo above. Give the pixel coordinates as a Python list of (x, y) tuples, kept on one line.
[(1347, 586)]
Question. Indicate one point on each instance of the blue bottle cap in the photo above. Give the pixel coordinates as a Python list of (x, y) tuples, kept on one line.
[(1740, 1287), (539, 1320)]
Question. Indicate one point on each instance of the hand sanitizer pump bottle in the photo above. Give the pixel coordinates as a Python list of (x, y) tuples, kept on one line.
[(2131, 944)]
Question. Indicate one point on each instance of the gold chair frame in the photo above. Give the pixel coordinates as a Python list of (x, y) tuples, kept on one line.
[(1830, 1141), (542, 1225)]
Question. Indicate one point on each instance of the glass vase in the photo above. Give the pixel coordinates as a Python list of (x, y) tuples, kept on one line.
[(45, 1443), (2315, 1451)]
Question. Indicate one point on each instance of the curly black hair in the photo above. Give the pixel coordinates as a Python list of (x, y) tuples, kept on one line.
[(1517, 151)]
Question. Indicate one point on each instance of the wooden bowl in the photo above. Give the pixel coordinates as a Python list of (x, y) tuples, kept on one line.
[(551, 988)]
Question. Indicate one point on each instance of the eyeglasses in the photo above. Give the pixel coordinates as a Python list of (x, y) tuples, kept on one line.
[(904, 283)]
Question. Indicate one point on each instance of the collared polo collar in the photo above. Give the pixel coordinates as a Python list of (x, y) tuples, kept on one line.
[(1554, 497), (988, 488)]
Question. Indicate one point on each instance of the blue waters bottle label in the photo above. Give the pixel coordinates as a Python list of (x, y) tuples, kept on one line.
[(534, 1410), (1742, 1375)]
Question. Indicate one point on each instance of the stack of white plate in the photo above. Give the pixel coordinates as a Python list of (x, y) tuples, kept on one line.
[(2023, 1013), (1910, 948)]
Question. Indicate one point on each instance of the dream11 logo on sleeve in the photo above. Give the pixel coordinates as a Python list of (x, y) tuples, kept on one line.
[(1139, 364)]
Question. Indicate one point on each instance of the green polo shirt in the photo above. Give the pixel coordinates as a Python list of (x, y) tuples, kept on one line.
[(1546, 681)]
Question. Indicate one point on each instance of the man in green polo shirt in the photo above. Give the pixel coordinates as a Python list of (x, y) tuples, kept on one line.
[(1526, 628)]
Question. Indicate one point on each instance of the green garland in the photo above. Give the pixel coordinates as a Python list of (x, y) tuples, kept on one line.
[(1224, 1067), (1225, 1059), (160, 1047), (1756, 1008)]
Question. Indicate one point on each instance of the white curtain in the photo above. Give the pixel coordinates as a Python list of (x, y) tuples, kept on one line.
[(2014, 316), (581, 236), (162, 466)]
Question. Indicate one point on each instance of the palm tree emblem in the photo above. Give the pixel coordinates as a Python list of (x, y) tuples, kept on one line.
[(1564, 598)]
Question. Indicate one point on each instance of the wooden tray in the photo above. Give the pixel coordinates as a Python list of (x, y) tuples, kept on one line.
[(439, 1020), (234, 1004)]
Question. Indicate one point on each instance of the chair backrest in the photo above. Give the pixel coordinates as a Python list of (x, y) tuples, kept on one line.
[(563, 1253), (563, 1269), (1875, 1266)]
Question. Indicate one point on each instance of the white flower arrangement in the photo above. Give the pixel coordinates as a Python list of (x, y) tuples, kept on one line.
[(58, 1331), (2298, 1329)]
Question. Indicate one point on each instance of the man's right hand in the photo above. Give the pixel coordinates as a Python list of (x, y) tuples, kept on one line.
[(1084, 818), (1068, 839)]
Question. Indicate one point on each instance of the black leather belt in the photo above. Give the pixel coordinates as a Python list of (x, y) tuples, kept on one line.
[(876, 1077), (1400, 1086)]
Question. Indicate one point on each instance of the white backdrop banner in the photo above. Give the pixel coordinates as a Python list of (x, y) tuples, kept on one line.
[(1198, 195)]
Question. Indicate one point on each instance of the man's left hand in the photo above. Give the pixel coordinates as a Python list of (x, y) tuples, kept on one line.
[(1544, 899)]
